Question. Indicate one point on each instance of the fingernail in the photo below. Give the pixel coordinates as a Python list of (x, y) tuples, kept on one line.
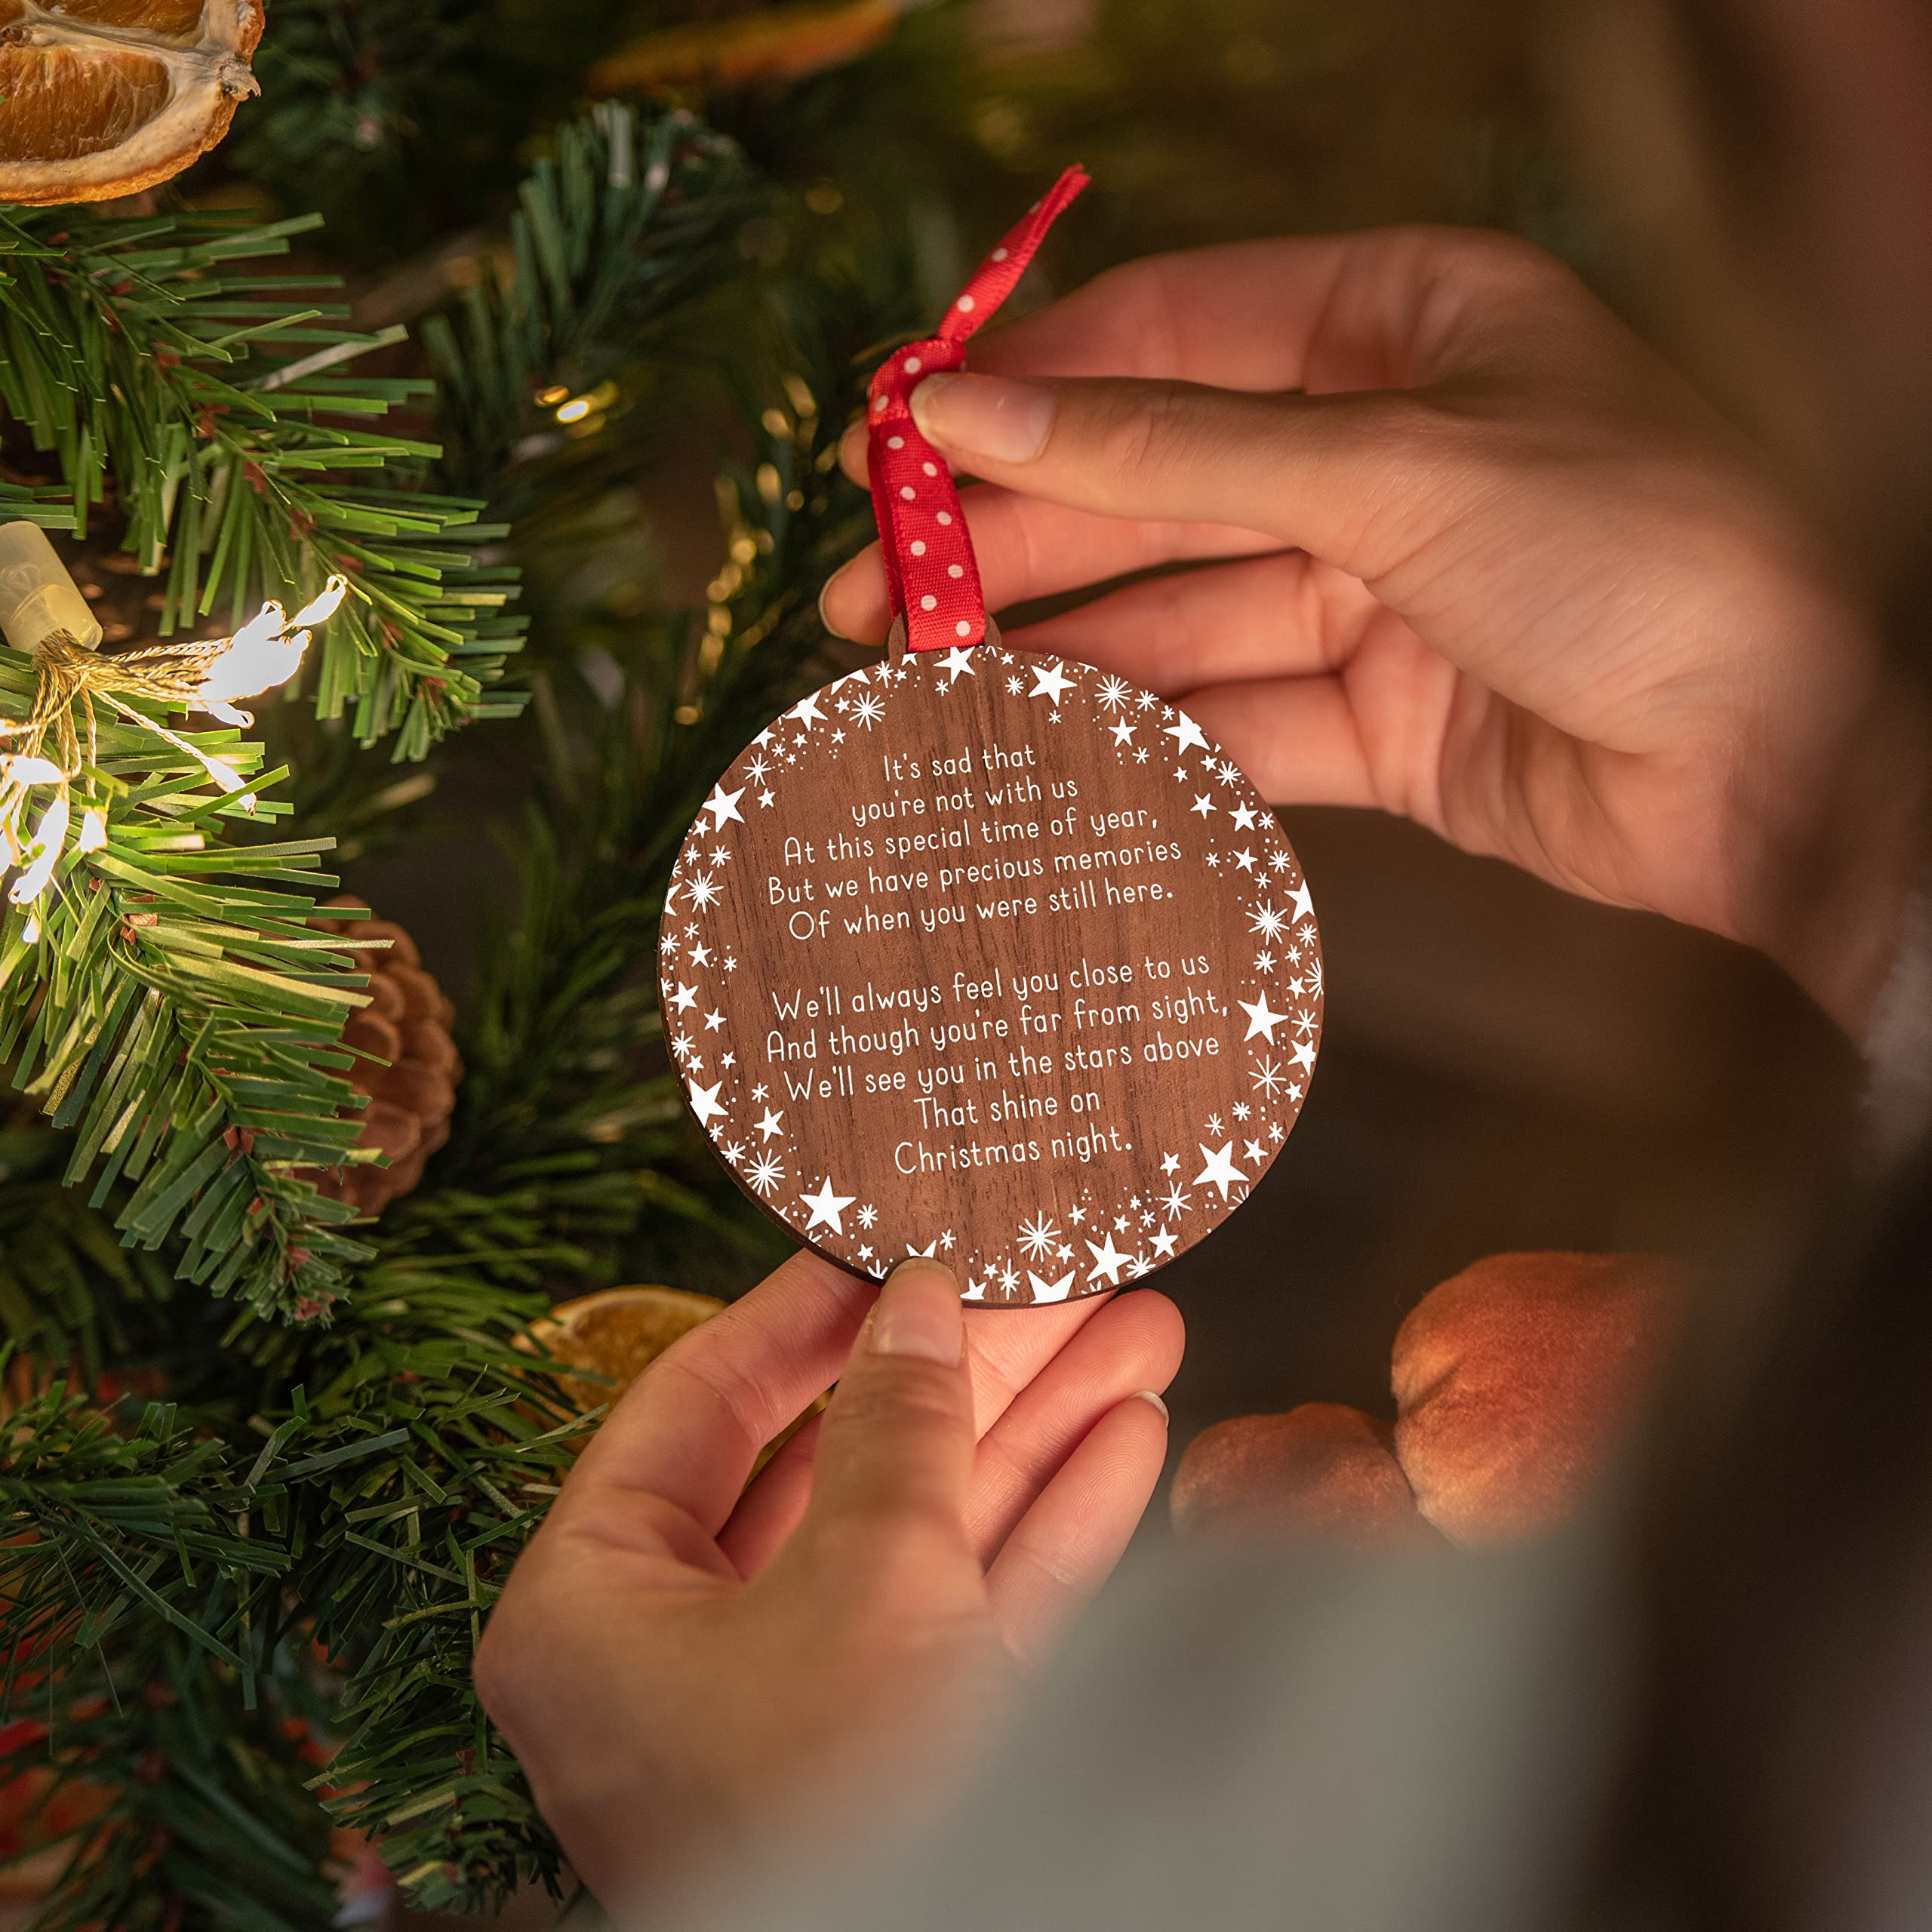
[(987, 416), (1149, 1395), (918, 1313), (825, 599)]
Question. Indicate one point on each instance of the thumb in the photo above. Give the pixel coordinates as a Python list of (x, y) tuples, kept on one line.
[(896, 1445), (1336, 475)]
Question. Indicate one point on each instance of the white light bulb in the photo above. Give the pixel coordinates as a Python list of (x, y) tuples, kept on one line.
[(49, 837)]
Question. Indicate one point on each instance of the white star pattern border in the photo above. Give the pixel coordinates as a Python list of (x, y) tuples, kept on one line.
[(1039, 1260)]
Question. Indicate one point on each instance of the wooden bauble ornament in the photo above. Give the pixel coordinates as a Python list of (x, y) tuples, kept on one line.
[(994, 958)]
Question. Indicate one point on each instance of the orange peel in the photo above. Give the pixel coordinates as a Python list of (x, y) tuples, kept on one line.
[(101, 98)]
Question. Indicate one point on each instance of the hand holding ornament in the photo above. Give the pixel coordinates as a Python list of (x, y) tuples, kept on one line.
[(1467, 551)]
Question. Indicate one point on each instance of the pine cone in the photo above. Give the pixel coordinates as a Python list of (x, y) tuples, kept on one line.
[(407, 1022)]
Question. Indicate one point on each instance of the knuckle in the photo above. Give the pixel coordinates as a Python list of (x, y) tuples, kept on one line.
[(917, 1396)]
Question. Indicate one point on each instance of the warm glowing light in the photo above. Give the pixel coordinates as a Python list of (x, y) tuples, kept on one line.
[(93, 831), (267, 651), (30, 772), (323, 605), (579, 407), (30, 932), (48, 838), (548, 397)]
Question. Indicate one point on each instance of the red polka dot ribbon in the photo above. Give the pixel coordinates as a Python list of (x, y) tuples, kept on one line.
[(929, 563)]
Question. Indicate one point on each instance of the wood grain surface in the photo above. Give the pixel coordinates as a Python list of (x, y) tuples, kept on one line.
[(994, 958)]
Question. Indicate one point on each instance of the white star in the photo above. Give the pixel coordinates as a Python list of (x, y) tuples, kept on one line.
[(1220, 1171), (769, 1125), (829, 1207), (957, 660), (723, 805), (704, 1102), (1253, 1150), (712, 1021), (1244, 816), (1303, 905), (929, 1253), (1170, 1164), (1108, 1260), (1302, 1053), (1048, 1290), (1203, 805), (1037, 1237), (1164, 1243), (684, 999), (1186, 734), (1050, 680), (1245, 860), (806, 711), (1122, 730), (1260, 1019)]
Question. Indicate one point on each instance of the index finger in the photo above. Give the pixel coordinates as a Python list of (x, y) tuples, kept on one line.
[(690, 1428)]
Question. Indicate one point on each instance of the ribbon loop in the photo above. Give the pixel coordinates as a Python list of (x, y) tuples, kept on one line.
[(930, 568)]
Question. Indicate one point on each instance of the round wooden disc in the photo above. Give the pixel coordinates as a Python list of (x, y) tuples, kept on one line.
[(994, 958)]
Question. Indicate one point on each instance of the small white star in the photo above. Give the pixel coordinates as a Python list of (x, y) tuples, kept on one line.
[(1260, 1019), (806, 711), (829, 1207), (1203, 804), (1220, 1171), (1170, 1164), (684, 999), (1108, 1260), (1050, 680), (959, 662), (1186, 734), (723, 806), (1164, 1243), (704, 1102), (769, 1125), (1122, 731)]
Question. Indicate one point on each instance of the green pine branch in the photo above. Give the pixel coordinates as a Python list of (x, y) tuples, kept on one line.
[(209, 411), (623, 223), (356, 1490), (164, 1001)]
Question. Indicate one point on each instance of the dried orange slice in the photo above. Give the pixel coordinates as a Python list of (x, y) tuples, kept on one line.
[(105, 98), (616, 1333)]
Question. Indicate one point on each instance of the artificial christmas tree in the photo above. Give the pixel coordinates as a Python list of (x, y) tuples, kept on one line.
[(555, 390)]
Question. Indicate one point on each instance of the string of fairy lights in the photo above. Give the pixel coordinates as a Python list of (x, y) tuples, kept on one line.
[(44, 756)]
